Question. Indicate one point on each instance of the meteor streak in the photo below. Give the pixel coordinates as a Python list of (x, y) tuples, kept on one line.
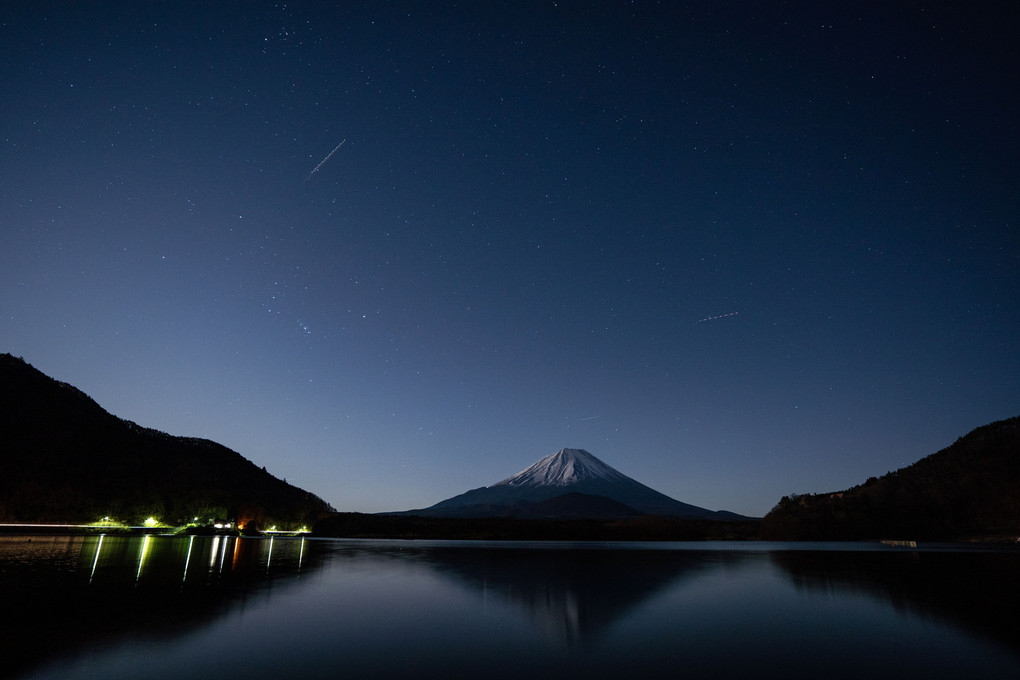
[(713, 318), (316, 168)]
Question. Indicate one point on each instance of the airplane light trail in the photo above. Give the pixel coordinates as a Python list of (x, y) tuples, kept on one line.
[(316, 168), (713, 318)]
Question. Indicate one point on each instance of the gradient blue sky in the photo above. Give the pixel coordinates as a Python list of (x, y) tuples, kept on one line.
[(538, 210)]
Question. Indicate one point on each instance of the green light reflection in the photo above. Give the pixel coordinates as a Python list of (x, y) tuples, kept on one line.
[(187, 560), (141, 557), (99, 546)]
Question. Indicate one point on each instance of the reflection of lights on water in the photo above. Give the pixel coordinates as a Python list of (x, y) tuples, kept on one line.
[(223, 553), (141, 557), (187, 560), (99, 546), (218, 547)]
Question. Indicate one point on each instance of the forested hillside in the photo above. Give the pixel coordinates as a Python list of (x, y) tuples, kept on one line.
[(65, 459), (968, 490)]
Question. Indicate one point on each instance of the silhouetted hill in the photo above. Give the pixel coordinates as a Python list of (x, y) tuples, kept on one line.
[(65, 459), (968, 490)]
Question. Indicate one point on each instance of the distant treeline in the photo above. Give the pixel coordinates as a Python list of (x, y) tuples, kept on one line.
[(649, 528)]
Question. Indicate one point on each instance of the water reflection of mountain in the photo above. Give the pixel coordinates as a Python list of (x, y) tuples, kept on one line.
[(971, 589), (64, 594), (571, 593)]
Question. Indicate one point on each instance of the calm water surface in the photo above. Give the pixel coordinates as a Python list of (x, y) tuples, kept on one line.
[(205, 607)]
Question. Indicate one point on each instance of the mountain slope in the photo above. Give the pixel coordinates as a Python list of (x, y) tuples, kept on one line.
[(568, 471), (969, 489), (65, 459)]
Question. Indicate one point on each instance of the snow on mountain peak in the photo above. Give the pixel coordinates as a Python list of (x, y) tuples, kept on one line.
[(565, 467)]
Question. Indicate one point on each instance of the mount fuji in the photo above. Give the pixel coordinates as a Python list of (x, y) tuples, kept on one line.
[(568, 483)]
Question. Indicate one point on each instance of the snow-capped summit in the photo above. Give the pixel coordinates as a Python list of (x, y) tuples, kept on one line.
[(569, 482), (565, 467)]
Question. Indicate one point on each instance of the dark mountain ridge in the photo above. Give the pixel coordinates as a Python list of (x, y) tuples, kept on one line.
[(65, 459), (968, 490), (568, 483)]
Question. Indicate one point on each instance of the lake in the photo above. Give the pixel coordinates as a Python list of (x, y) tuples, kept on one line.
[(186, 608)]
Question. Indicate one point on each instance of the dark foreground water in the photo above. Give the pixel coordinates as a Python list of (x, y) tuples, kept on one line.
[(193, 608)]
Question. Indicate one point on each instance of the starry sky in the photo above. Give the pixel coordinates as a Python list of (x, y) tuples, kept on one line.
[(735, 250)]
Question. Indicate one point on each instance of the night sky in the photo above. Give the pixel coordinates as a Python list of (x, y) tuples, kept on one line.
[(735, 250)]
